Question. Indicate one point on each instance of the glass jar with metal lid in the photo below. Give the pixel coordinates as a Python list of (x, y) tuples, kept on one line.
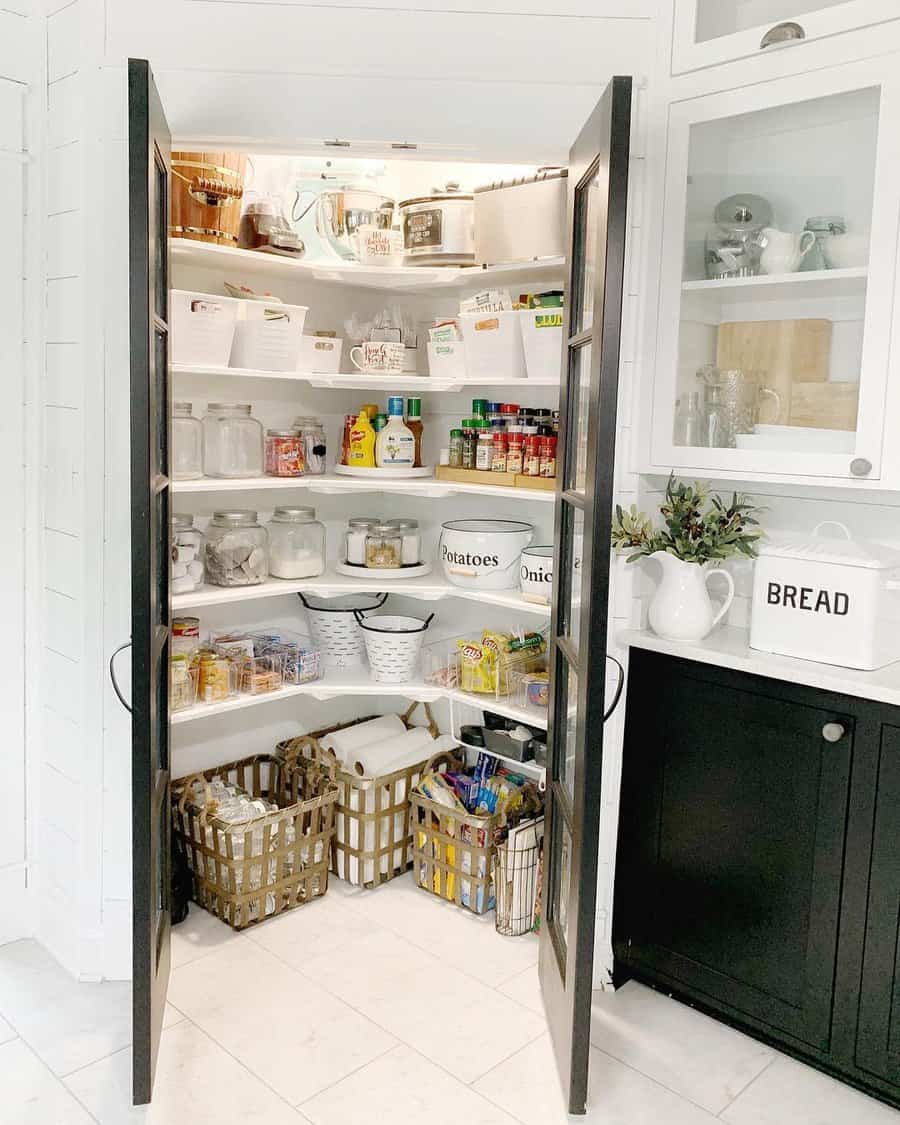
[(187, 443), (438, 229), (411, 541), (384, 547), (355, 542), (236, 551), (312, 434), (284, 454), (296, 543), (232, 441), (825, 228), (187, 555)]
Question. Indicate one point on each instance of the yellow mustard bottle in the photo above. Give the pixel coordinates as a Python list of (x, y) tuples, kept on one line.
[(362, 442)]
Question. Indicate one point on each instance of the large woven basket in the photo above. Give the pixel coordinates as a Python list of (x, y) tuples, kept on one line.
[(244, 873), (373, 839)]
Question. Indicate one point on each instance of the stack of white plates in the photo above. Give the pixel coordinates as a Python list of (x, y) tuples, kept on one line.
[(798, 439)]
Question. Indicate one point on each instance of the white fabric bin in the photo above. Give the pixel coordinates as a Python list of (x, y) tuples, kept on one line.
[(202, 327), (542, 333), (447, 360), (830, 600), (267, 337), (493, 346), (321, 355)]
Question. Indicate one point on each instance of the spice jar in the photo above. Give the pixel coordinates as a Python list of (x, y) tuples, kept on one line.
[(470, 441), (187, 443), (237, 549), (411, 541), (500, 442), (484, 452), (384, 547), (284, 453), (532, 463), (456, 449), (296, 543), (187, 555), (515, 448), (232, 441), (548, 455), (355, 545), (312, 434)]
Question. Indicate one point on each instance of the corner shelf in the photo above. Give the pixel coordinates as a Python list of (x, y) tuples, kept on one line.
[(784, 286)]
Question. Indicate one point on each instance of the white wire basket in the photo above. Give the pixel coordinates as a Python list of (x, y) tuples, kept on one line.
[(332, 624), (393, 645)]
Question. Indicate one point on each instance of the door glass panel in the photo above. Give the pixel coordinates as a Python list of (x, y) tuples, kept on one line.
[(571, 554), (160, 754), (579, 409), (567, 724), (160, 437), (585, 258), (776, 248), (160, 235), (725, 17), (162, 557), (162, 871), (561, 871)]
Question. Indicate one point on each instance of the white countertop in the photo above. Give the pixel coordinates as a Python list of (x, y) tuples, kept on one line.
[(727, 647)]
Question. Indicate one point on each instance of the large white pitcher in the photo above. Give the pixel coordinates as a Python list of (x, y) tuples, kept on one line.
[(681, 609), (783, 251)]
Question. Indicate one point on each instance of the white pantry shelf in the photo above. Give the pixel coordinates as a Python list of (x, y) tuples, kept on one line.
[(238, 264), (430, 588), (356, 681), (329, 484), (784, 286), (357, 381)]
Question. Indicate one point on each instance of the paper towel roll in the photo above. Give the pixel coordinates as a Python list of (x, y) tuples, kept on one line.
[(346, 742), (393, 753)]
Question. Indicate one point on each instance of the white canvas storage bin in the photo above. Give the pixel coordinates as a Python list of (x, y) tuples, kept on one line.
[(836, 601), (267, 337), (493, 345), (202, 327), (447, 359), (542, 332), (321, 355)]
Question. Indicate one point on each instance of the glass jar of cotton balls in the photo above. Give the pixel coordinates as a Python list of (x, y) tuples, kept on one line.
[(187, 555)]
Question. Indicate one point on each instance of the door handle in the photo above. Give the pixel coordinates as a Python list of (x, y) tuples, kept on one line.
[(860, 466), (787, 32), (112, 675), (833, 732)]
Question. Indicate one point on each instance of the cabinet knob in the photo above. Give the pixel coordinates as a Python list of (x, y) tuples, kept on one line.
[(788, 32), (860, 467), (833, 732)]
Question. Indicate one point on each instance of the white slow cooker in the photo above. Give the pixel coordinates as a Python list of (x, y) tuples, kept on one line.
[(483, 554), (438, 229)]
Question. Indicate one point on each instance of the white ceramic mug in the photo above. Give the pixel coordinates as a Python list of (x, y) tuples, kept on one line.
[(379, 357), (783, 251), (376, 246)]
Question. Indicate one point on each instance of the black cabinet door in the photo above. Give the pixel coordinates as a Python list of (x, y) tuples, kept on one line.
[(733, 814), (878, 1033)]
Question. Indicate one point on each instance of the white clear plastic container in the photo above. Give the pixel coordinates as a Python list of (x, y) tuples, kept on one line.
[(321, 355), (447, 359), (542, 332), (267, 337), (202, 327), (233, 441), (493, 346), (187, 443)]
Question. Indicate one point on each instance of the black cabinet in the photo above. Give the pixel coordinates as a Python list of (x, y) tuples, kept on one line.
[(757, 865)]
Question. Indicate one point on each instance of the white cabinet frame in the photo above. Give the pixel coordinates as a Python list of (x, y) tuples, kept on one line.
[(801, 467), (689, 55)]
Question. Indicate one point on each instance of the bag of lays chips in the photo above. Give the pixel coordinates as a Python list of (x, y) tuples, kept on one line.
[(477, 667)]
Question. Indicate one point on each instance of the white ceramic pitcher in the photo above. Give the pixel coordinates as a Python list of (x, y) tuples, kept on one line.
[(681, 609), (782, 251)]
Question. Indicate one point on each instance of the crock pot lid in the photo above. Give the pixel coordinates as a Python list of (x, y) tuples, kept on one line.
[(437, 198), (841, 552)]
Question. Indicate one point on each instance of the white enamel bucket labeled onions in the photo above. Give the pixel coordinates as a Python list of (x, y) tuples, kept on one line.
[(483, 554)]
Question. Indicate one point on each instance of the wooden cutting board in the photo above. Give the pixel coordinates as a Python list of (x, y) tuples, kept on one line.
[(826, 406), (784, 352)]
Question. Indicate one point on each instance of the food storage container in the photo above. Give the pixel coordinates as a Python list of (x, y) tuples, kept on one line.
[(321, 355), (284, 454), (411, 541), (493, 346), (267, 337), (542, 333), (536, 574), (232, 441), (438, 229), (187, 443), (296, 543), (315, 447), (237, 549), (483, 554), (836, 601), (519, 220), (187, 555), (384, 547), (202, 327)]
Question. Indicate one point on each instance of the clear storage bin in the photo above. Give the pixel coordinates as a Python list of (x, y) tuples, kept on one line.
[(187, 555), (233, 443), (267, 337), (187, 443), (296, 543), (236, 550), (202, 328)]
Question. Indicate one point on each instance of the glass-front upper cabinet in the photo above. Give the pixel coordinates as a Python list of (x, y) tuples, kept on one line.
[(778, 266), (708, 32)]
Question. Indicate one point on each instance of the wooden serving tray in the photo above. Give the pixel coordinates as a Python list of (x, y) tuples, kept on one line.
[(505, 480)]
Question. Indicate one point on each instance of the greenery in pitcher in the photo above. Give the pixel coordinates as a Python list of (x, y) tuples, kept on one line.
[(698, 527)]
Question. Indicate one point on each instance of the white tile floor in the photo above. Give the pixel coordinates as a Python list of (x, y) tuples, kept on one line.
[(388, 1008)]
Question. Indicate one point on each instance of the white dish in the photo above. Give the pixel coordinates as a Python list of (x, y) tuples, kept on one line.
[(383, 474), (798, 439), (395, 572)]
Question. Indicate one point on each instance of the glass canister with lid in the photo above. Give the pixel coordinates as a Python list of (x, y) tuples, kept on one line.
[(237, 549), (355, 543), (312, 435), (187, 443), (284, 453), (187, 555), (232, 441), (384, 547), (296, 543), (410, 541)]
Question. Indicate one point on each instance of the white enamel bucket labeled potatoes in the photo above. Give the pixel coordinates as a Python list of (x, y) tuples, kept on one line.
[(483, 554)]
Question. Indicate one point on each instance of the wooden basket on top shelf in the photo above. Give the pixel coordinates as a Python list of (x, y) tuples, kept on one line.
[(373, 839), (250, 869)]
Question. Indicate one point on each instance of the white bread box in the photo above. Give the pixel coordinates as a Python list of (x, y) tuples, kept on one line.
[(836, 601)]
